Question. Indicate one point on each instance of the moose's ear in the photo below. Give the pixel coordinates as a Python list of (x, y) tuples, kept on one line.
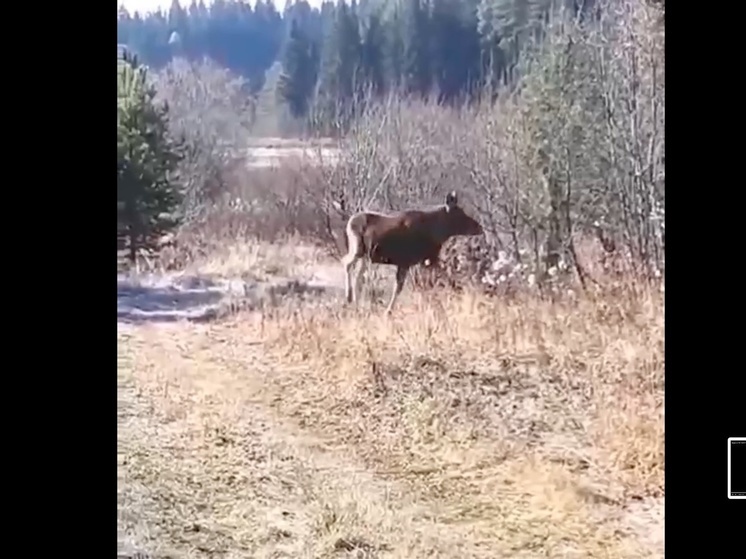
[(451, 200)]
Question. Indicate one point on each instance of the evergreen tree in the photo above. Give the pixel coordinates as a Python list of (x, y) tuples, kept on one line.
[(394, 48), (372, 54), (299, 65), (348, 49), (417, 55), (178, 20), (455, 48), (455, 45), (147, 194), (340, 78)]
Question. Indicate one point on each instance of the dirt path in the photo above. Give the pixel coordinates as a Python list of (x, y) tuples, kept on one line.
[(213, 463), (206, 469)]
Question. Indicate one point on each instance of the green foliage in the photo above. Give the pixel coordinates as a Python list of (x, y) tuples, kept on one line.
[(243, 39), (298, 78), (341, 77), (337, 57), (372, 55), (147, 194), (416, 31), (342, 59), (456, 49)]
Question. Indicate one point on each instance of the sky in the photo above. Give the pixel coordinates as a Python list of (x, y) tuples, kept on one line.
[(144, 6)]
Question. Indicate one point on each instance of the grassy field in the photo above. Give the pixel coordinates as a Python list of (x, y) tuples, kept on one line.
[(461, 426)]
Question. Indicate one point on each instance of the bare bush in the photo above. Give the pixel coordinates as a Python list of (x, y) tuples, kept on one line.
[(590, 123), (565, 171), (211, 108)]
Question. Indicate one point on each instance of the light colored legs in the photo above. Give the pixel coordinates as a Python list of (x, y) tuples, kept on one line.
[(353, 290), (359, 278), (401, 275), (349, 260), (349, 264)]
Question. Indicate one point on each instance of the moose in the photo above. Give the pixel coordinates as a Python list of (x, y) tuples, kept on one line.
[(403, 239)]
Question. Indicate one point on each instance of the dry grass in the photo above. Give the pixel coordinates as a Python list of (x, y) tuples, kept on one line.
[(460, 427), (522, 415), (206, 469), (264, 260), (289, 143)]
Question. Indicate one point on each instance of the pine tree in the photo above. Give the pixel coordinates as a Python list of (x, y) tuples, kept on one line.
[(147, 194), (394, 47), (456, 50), (300, 66), (348, 50), (372, 55), (340, 76), (417, 52)]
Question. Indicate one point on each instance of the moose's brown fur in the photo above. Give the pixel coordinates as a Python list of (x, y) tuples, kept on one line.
[(403, 239)]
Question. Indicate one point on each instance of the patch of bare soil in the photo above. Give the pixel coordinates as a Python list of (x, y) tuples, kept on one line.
[(200, 298)]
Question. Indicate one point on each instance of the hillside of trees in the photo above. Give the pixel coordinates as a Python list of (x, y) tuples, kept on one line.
[(550, 115), (334, 56)]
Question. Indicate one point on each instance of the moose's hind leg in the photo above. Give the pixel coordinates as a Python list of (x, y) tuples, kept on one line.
[(349, 262), (363, 266)]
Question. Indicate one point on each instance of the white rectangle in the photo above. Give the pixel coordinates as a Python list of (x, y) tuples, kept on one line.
[(731, 440)]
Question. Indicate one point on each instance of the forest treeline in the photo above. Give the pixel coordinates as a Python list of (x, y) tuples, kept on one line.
[(575, 143), (334, 56)]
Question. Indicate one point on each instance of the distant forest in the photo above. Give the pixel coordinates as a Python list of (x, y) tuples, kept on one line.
[(449, 47)]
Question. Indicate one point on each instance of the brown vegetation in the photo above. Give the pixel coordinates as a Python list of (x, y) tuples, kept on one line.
[(512, 406), (466, 426)]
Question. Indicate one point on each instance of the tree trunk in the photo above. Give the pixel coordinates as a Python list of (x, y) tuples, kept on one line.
[(133, 244), (554, 241)]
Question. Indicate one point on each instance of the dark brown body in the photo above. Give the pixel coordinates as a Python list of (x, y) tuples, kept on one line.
[(403, 239)]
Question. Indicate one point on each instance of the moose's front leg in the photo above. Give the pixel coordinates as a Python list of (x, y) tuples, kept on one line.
[(401, 276)]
